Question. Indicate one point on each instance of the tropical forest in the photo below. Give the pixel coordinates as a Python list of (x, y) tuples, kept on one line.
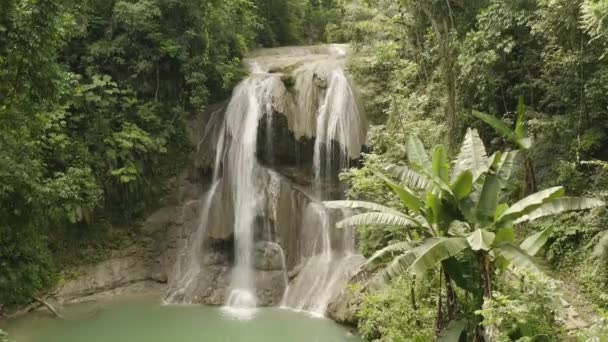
[(303, 170)]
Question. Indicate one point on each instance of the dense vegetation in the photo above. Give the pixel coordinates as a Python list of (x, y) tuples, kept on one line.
[(432, 69), (472, 237), (92, 100)]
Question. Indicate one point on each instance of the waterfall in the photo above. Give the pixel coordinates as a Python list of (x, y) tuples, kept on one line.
[(247, 106), (188, 265), (286, 248), (337, 140)]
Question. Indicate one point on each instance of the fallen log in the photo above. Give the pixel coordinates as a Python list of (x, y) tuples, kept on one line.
[(48, 306)]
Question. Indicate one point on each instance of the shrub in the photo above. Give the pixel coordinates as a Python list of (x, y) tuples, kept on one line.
[(523, 309), (389, 315)]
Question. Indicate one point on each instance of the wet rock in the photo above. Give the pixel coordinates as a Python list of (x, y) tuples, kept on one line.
[(107, 275), (159, 220), (214, 283), (214, 286), (279, 146), (270, 286), (268, 256), (344, 306)]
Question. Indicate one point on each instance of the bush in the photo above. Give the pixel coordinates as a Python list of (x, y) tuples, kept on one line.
[(597, 332), (26, 267), (4, 336), (389, 316), (522, 309)]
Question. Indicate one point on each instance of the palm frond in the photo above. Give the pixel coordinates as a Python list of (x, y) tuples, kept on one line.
[(505, 166), (435, 250), (416, 154), (534, 243), (472, 156), (362, 205), (530, 203), (561, 205), (389, 251), (518, 258), (407, 196), (399, 266), (499, 126), (378, 219), (408, 176)]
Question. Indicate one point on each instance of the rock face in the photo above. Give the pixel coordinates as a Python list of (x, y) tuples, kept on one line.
[(269, 256), (344, 306)]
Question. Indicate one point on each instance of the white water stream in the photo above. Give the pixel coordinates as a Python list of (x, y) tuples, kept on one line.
[(322, 104)]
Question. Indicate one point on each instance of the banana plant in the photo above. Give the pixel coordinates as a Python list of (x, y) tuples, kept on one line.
[(435, 198), (517, 136), (458, 210), (432, 193)]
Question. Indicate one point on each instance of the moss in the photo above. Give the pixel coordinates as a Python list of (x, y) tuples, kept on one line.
[(288, 80)]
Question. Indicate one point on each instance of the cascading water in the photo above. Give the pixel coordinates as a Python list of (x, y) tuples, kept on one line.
[(260, 210), (337, 140), (188, 265), (337, 119), (247, 106)]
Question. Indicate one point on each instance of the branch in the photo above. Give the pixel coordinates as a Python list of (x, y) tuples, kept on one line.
[(49, 306)]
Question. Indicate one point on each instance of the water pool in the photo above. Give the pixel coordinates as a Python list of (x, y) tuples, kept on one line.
[(147, 320)]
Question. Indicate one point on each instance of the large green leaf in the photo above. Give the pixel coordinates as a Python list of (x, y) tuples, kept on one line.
[(472, 156), (488, 200), (481, 239), (530, 203), (505, 234), (499, 126), (361, 205), (434, 183), (505, 166), (561, 205), (409, 199), (533, 243), (441, 166), (463, 185), (389, 252), (518, 258), (452, 332), (464, 269), (416, 154), (378, 219), (408, 176), (435, 250), (433, 205), (399, 266)]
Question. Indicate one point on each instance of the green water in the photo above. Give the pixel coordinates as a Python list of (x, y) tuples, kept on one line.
[(146, 320)]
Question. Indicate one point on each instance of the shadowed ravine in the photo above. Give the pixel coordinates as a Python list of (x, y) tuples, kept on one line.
[(264, 202)]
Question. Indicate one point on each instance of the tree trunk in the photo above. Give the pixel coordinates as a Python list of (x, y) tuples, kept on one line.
[(530, 176), (48, 306), (451, 115), (451, 301), (440, 317), (487, 271), (413, 299)]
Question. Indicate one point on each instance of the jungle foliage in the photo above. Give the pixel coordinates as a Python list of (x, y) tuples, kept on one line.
[(432, 69), (93, 95)]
